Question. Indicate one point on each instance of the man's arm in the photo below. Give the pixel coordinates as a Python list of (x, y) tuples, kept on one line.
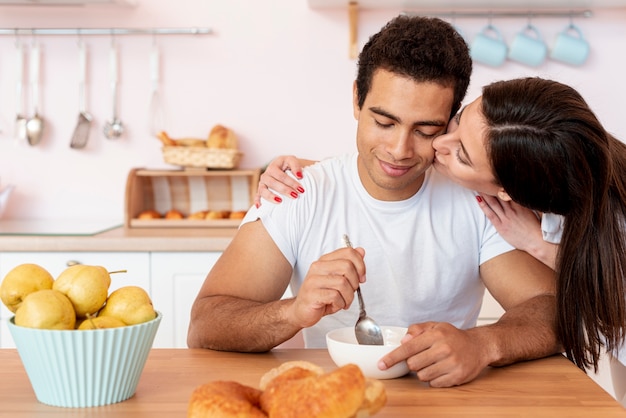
[(446, 356), (238, 307)]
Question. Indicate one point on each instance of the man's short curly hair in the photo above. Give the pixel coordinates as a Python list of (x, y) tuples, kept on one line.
[(422, 48)]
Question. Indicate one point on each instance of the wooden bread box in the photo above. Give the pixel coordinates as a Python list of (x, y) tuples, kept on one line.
[(223, 196)]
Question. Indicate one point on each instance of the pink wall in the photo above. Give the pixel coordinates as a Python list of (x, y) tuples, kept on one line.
[(276, 72)]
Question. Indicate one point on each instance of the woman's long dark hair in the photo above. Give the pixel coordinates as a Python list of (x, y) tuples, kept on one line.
[(550, 153)]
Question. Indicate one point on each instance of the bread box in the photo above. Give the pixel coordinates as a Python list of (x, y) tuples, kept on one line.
[(188, 198)]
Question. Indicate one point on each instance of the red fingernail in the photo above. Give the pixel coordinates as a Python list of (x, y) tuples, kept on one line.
[(257, 205), (300, 189), (479, 199), (299, 174), (278, 199), (294, 194)]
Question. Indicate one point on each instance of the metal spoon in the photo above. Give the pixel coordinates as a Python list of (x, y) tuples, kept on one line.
[(113, 128), (34, 125), (20, 119), (366, 329)]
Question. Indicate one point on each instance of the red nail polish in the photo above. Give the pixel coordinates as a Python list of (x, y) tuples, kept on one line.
[(257, 205), (299, 174), (278, 199), (479, 199), (294, 194), (300, 189)]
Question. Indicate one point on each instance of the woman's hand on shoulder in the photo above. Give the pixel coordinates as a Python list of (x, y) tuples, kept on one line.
[(275, 183)]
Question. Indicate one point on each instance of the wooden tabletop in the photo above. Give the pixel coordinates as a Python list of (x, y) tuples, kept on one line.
[(551, 387)]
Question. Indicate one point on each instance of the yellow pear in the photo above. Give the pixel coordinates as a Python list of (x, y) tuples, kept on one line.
[(100, 322), (46, 309), (86, 286), (21, 281), (130, 304)]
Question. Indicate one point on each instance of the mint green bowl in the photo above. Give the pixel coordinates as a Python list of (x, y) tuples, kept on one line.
[(77, 369)]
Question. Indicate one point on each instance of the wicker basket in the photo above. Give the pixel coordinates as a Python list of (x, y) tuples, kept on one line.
[(201, 157)]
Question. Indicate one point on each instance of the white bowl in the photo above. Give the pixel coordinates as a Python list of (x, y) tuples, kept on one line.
[(344, 348), (85, 368)]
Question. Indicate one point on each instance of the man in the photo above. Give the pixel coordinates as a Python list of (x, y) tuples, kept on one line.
[(429, 250)]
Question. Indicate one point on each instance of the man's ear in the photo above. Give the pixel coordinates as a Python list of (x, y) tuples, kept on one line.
[(502, 195)]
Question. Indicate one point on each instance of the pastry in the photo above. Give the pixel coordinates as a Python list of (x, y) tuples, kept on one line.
[(221, 137), (174, 214), (198, 215), (191, 142), (218, 214), (339, 393), (165, 139), (224, 399), (149, 214), (239, 214)]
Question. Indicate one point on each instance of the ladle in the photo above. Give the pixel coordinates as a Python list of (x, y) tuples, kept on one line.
[(366, 330), (35, 125), (113, 128)]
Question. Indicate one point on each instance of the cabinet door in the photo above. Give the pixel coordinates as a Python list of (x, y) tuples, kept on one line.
[(136, 264), (176, 280)]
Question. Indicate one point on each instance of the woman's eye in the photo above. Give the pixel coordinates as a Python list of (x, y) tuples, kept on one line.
[(457, 154)]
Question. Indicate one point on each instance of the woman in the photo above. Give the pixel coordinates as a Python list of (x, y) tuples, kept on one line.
[(537, 143)]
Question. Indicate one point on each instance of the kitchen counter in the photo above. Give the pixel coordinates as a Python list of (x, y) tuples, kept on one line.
[(550, 387), (123, 239)]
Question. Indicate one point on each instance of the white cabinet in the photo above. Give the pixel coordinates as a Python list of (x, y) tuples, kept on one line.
[(491, 310), (176, 280)]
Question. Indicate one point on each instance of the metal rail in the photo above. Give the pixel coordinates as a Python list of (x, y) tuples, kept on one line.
[(103, 31)]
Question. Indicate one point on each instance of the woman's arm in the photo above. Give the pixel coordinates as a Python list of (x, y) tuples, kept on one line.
[(275, 178)]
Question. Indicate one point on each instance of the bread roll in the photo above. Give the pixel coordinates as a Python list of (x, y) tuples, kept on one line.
[(224, 399), (221, 137), (174, 214), (149, 214), (198, 215), (239, 214)]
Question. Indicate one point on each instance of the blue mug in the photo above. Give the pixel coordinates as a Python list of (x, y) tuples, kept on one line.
[(489, 47), (570, 47), (528, 47)]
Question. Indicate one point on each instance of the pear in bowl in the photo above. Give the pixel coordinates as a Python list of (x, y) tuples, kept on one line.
[(344, 348)]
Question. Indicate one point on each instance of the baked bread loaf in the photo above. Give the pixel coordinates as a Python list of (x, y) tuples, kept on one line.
[(222, 137), (174, 214), (149, 214), (224, 399)]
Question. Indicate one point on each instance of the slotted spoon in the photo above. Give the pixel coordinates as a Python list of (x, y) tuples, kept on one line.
[(366, 329)]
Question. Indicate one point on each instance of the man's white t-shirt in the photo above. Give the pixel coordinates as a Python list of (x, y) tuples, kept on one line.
[(422, 254)]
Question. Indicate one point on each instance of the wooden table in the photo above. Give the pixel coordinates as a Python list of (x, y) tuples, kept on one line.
[(551, 387)]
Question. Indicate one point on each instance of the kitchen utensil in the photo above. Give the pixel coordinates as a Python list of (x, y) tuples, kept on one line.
[(81, 132), (113, 128), (20, 119), (156, 116), (366, 330), (35, 125)]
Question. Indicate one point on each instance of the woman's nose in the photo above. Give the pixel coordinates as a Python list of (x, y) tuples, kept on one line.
[(440, 144)]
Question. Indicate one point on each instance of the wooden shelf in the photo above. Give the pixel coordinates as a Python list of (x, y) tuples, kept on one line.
[(485, 5)]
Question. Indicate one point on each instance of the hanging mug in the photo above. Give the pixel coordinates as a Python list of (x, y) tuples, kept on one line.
[(528, 47), (570, 47), (489, 47)]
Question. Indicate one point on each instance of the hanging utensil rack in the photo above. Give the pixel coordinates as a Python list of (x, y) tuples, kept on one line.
[(103, 31)]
